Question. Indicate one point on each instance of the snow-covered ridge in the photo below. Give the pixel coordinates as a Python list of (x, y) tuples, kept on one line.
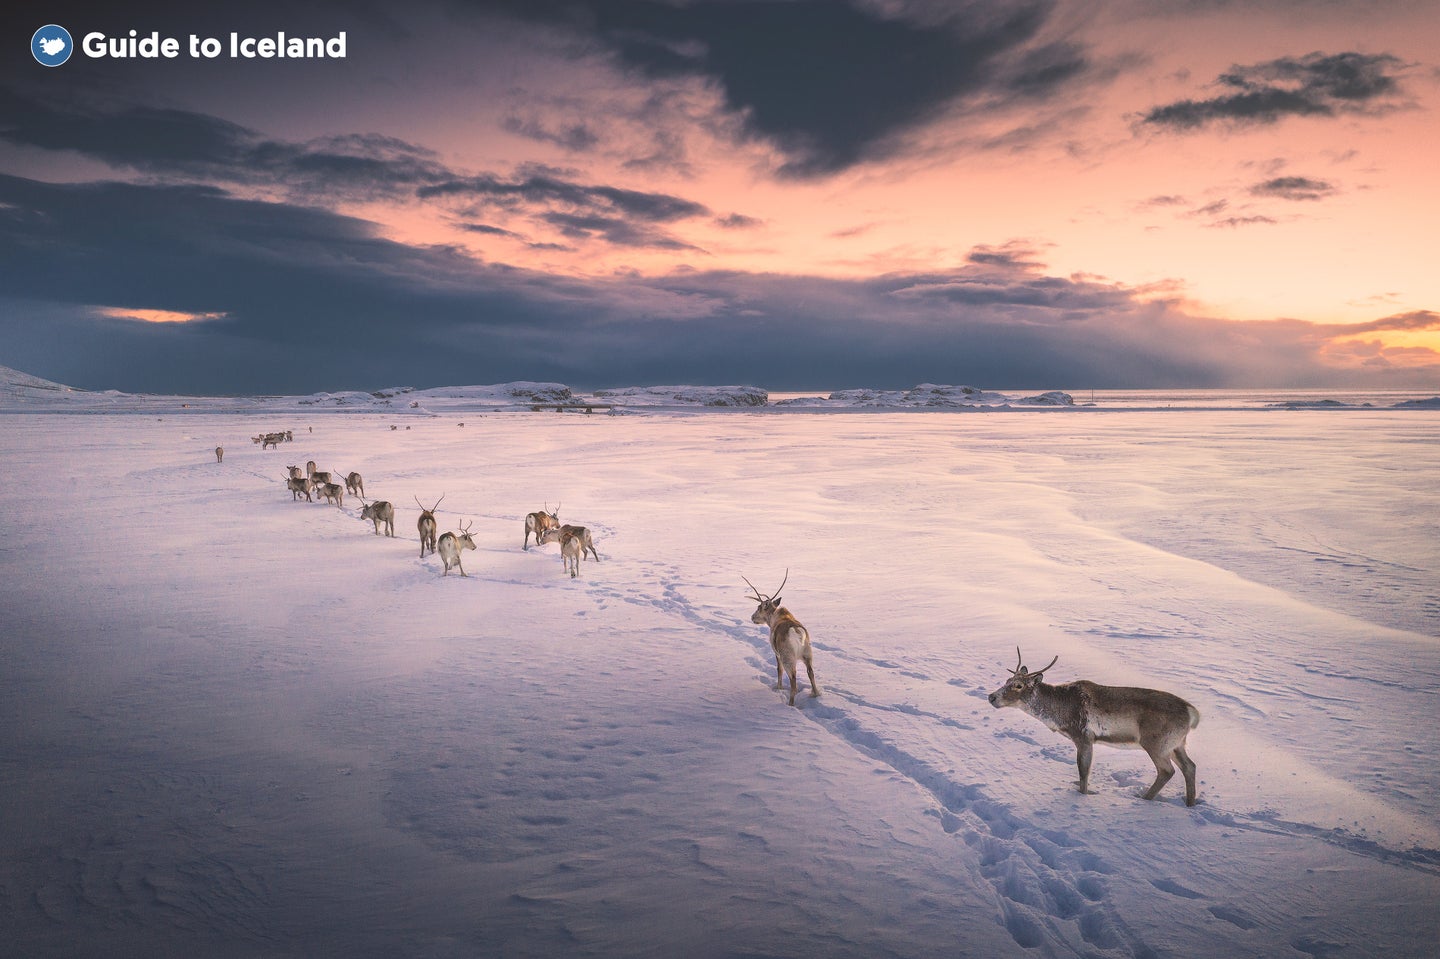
[(928, 396), (717, 396), (21, 392)]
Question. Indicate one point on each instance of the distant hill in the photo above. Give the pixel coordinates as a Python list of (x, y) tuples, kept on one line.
[(17, 385)]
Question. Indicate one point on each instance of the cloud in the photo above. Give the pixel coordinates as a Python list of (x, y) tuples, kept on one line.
[(1232, 222), (830, 84), (1293, 188), (738, 221), (184, 144), (576, 137), (1315, 85), (306, 300), (577, 211)]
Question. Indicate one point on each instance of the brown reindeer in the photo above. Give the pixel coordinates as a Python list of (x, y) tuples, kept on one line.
[(452, 545), (1087, 713), (788, 638), (537, 523), (379, 512), (426, 524), (560, 534)]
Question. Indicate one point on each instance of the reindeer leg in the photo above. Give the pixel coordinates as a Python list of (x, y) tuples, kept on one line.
[(1164, 769), (1083, 751), (810, 670), (1187, 768)]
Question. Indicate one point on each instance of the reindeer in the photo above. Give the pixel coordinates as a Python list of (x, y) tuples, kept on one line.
[(296, 486), (426, 524), (273, 440), (295, 472), (788, 638), (452, 545), (333, 492), (538, 523), (379, 512), (559, 535), (219, 454), (354, 484), (572, 550), (572, 546), (1124, 716)]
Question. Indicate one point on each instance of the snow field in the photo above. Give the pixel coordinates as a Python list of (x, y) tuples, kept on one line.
[(247, 725)]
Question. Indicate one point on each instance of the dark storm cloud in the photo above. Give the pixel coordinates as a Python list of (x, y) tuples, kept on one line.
[(545, 190), (313, 300), (180, 143), (1315, 85), (1293, 188), (626, 218), (830, 83)]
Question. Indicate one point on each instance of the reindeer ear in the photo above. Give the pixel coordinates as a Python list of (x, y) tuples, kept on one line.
[(775, 601)]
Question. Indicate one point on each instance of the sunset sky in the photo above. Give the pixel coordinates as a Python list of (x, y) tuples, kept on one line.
[(791, 193)]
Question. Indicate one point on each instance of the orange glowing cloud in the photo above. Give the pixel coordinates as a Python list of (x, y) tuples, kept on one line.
[(157, 316)]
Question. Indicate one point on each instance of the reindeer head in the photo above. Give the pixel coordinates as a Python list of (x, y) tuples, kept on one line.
[(768, 604), (463, 539), (1021, 684)]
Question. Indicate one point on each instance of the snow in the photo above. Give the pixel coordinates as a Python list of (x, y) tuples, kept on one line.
[(236, 725)]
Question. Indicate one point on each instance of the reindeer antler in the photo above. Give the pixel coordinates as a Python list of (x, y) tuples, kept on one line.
[(1020, 670), (782, 582), (757, 593)]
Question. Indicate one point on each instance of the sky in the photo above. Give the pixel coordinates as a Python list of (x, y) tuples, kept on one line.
[(796, 194)]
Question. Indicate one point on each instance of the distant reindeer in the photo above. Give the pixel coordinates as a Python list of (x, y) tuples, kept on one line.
[(1087, 713), (354, 484), (426, 524), (273, 440), (297, 486), (379, 512), (537, 523), (788, 638), (452, 545), (560, 534), (333, 492), (258, 439), (219, 454)]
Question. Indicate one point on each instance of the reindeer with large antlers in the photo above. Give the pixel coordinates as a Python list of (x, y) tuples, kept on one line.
[(1125, 716), (537, 523), (426, 524), (452, 545), (788, 638)]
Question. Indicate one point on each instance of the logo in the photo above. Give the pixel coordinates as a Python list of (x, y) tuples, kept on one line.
[(52, 45)]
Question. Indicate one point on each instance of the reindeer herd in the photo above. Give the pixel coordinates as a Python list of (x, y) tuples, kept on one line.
[(1084, 712)]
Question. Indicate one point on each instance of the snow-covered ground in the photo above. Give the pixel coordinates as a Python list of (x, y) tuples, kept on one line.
[(232, 724)]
